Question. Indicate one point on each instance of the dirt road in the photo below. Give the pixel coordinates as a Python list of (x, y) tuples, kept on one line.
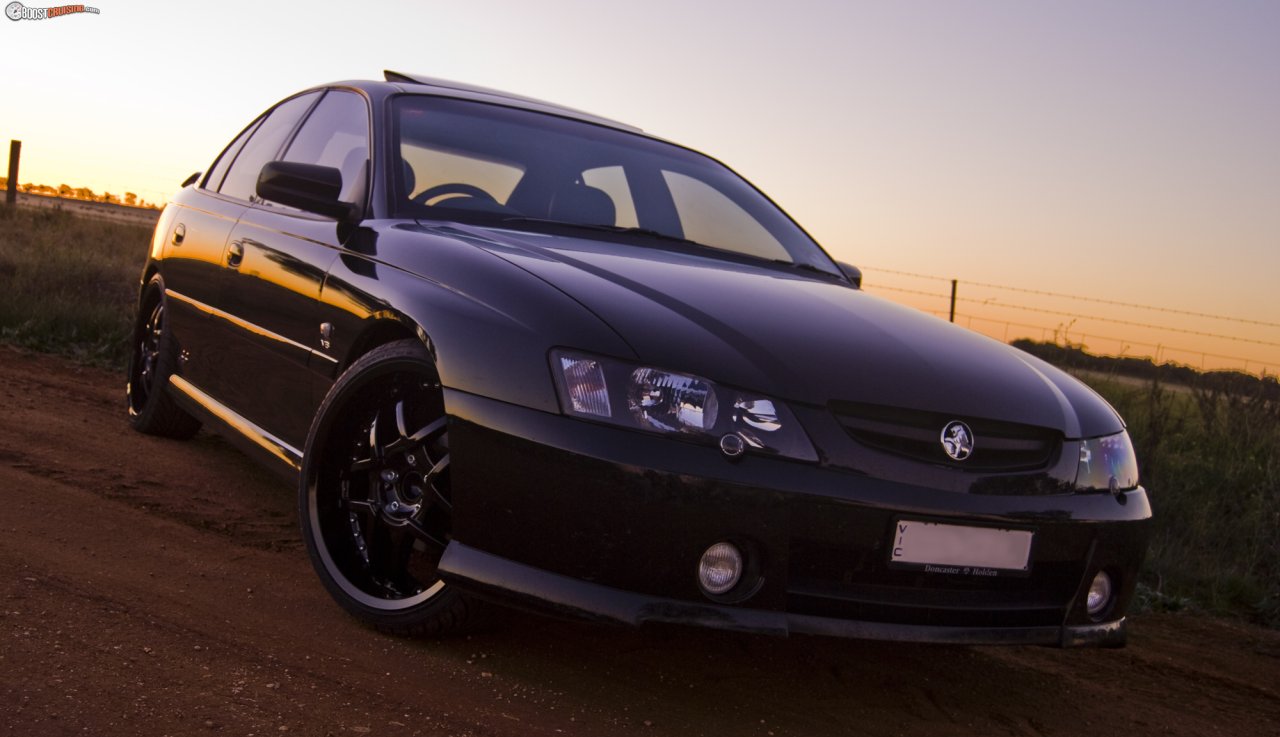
[(151, 587)]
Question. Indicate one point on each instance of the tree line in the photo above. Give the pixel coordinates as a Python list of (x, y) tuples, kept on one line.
[(66, 191), (1230, 382)]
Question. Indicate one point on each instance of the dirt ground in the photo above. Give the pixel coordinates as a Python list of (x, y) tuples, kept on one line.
[(150, 587)]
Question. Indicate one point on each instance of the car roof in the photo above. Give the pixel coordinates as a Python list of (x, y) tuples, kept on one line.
[(449, 88)]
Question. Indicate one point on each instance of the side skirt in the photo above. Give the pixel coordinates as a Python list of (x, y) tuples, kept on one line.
[(259, 444)]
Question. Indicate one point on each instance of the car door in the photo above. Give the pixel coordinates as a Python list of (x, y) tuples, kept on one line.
[(278, 257), (195, 238), (195, 265)]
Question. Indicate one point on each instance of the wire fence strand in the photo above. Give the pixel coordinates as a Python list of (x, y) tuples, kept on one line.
[(1080, 316), (1081, 298), (1063, 334)]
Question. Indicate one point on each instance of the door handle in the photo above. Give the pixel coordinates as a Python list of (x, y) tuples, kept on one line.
[(179, 233), (235, 254)]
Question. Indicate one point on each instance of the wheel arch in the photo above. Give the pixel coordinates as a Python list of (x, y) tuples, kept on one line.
[(151, 269), (382, 330), (149, 272)]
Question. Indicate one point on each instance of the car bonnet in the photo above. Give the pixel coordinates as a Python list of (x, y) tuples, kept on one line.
[(794, 336)]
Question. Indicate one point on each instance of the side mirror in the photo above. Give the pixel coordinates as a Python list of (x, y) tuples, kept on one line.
[(852, 272), (191, 179), (308, 187)]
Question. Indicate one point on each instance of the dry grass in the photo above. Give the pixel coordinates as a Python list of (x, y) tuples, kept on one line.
[(67, 284)]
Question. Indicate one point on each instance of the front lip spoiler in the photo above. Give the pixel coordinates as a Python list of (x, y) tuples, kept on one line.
[(508, 582)]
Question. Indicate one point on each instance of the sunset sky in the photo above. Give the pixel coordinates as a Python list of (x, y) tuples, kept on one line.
[(1122, 151)]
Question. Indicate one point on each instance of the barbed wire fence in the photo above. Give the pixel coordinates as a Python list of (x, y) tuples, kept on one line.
[(981, 315)]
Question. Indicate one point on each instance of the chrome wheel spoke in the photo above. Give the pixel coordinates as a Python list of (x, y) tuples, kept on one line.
[(400, 426), (430, 432), (425, 435)]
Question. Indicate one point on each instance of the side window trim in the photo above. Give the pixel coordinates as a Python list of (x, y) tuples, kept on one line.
[(293, 134), (288, 138), (237, 143)]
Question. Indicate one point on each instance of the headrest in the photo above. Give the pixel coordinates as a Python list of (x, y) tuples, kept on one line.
[(582, 204), (406, 173)]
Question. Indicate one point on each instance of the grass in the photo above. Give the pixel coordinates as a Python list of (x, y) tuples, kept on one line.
[(1209, 446), (67, 283), (1210, 459)]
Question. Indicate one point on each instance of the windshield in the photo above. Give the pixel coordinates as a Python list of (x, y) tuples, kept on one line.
[(493, 165)]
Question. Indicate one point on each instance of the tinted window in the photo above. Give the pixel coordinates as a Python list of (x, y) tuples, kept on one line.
[(263, 146), (516, 168), (429, 169), (708, 216), (336, 134), (612, 180), (219, 169)]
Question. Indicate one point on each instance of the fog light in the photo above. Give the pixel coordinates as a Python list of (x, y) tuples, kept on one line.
[(1099, 594), (720, 569), (732, 445)]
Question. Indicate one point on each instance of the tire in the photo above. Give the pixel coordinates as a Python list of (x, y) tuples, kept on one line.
[(152, 360), (373, 498)]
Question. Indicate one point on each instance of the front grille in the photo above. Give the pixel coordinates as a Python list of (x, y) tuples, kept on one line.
[(998, 446)]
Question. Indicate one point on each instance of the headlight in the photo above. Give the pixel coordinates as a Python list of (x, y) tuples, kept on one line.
[(1107, 464), (668, 402)]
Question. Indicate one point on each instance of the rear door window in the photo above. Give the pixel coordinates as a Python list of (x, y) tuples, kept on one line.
[(264, 145), (219, 170)]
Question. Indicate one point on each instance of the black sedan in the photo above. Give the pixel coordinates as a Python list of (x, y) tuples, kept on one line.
[(513, 351)]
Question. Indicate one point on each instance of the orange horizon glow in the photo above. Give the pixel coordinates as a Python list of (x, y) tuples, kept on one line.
[(1098, 325)]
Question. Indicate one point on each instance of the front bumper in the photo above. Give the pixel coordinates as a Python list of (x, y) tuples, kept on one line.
[(591, 521)]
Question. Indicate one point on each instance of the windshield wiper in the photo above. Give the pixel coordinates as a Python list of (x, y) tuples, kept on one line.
[(630, 230), (806, 267), (664, 236), (653, 233), (550, 221)]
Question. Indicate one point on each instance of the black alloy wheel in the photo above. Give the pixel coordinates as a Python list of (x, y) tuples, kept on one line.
[(144, 379), (374, 501), (152, 360)]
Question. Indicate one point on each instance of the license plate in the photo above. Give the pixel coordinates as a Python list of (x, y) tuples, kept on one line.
[(942, 548)]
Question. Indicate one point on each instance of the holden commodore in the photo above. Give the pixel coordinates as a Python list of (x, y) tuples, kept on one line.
[(512, 351)]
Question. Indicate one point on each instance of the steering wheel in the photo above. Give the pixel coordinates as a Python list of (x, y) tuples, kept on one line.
[(457, 189)]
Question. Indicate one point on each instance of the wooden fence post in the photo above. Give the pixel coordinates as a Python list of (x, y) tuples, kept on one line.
[(11, 192)]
